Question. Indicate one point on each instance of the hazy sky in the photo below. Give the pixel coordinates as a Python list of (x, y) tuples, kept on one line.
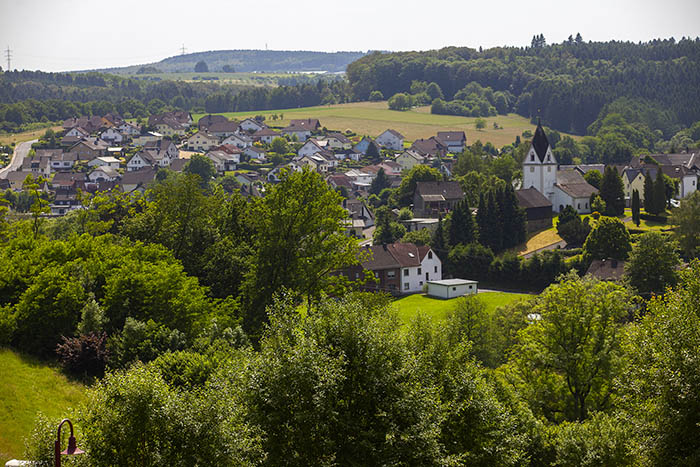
[(56, 35)]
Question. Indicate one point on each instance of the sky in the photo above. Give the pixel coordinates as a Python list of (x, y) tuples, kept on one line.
[(64, 35)]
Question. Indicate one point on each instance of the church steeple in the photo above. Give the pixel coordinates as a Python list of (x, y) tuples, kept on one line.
[(540, 142)]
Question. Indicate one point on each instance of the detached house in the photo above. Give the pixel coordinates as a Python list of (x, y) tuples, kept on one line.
[(138, 180), (223, 161), (202, 142), (87, 150), (112, 136), (255, 153), (223, 129), (241, 141), (251, 125), (429, 147), (398, 268), (266, 135), (409, 159), (391, 139), (338, 141), (312, 146), (454, 141), (432, 199), (104, 174)]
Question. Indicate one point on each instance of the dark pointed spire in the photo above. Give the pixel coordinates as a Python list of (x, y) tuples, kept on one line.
[(540, 141)]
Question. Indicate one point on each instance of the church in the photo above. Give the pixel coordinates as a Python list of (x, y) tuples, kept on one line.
[(562, 187)]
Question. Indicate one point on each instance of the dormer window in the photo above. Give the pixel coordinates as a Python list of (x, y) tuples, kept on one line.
[(532, 158)]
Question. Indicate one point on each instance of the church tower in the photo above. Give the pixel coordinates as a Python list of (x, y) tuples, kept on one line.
[(540, 166)]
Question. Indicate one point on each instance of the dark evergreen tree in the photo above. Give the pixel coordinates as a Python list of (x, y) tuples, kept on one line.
[(438, 243), (380, 182), (612, 191), (493, 227), (659, 193), (482, 217), (373, 151), (648, 193), (513, 216), (635, 207), (462, 229)]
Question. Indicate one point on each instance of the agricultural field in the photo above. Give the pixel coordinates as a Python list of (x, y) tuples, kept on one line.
[(438, 309), (8, 138), (29, 387), (372, 118)]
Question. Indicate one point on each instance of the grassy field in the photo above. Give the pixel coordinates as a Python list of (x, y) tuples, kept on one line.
[(28, 387), (372, 118), (9, 138), (437, 309), (539, 240)]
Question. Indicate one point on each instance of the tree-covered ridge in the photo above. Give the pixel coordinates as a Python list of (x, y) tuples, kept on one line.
[(252, 60), (567, 84)]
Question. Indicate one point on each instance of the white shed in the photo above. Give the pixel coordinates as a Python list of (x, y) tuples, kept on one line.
[(451, 288)]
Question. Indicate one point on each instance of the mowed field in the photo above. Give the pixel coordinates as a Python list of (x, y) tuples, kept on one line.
[(437, 309), (28, 387), (372, 118), (8, 138)]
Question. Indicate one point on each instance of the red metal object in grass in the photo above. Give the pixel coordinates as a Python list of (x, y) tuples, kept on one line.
[(72, 448)]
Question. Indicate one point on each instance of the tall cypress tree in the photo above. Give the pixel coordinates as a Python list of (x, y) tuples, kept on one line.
[(438, 241), (648, 193), (513, 219), (462, 225), (635, 207), (659, 192), (493, 227), (481, 217)]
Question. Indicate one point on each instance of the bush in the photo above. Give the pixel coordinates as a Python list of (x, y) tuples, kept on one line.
[(143, 342), (470, 261), (84, 355), (653, 218), (184, 369), (375, 96)]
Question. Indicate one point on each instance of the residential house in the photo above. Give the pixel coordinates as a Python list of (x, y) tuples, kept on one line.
[(409, 159), (104, 174), (300, 133), (338, 141), (399, 268), (275, 175), (142, 139), (69, 180), (112, 136), (87, 150), (180, 117), (223, 161), (165, 146), (266, 135), (359, 217), (240, 140), (391, 139), (178, 165), (607, 269), (312, 124), (201, 141), (39, 166), (138, 180), (65, 200), (77, 132), (352, 154), (129, 129), (430, 147), (63, 161), (170, 127), (141, 160), (433, 199), (338, 180), (255, 153), (223, 129), (89, 124), (312, 146), (16, 179), (363, 145), (250, 125), (538, 209), (105, 161), (247, 178), (454, 141), (208, 120), (571, 189), (316, 162)]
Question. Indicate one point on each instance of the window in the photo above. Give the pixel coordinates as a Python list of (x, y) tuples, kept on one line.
[(391, 274), (430, 255), (532, 169), (435, 269), (549, 169), (579, 205), (357, 275), (454, 289), (405, 272), (419, 271), (405, 286), (420, 283), (532, 158)]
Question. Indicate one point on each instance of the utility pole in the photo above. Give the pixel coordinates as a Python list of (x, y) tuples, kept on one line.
[(8, 54), (182, 49)]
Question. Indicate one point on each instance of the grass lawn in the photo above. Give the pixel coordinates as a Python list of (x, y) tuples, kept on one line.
[(437, 309), (28, 387), (372, 118), (539, 240)]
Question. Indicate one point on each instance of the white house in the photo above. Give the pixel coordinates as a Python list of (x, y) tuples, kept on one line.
[(140, 140), (266, 135), (111, 135), (571, 189), (164, 146), (301, 133), (453, 140), (251, 125), (409, 159), (77, 132), (240, 141), (63, 161), (104, 174), (452, 288), (391, 139), (104, 161), (311, 147), (255, 153), (129, 129), (140, 160), (223, 161), (201, 141), (338, 141)]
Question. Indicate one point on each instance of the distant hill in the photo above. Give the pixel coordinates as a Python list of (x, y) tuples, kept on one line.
[(250, 60)]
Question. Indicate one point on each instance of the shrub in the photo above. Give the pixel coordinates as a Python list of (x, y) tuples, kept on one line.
[(86, 354)]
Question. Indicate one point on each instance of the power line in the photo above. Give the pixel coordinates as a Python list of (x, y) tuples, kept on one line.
[(182, 49), (8, 53)]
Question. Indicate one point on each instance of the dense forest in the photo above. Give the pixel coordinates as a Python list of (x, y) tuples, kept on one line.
[(567, 84)]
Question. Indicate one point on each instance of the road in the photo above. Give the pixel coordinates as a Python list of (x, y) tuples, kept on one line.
[(21, 151)]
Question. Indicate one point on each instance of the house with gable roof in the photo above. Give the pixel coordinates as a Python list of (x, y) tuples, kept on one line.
[(454, 141), (433, 199), (409, 159), (391, 139)]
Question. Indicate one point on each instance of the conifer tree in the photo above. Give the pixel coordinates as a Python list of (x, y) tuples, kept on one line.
[(513, 216), (648, 193), (635, 207), (659, 192), (481, 217), (462, 225), (438, 243), (612, 191)]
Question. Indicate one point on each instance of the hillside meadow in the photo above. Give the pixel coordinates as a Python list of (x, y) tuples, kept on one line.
[(29, 387), (372, 118)]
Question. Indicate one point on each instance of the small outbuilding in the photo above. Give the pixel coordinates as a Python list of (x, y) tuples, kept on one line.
[(451, 288)]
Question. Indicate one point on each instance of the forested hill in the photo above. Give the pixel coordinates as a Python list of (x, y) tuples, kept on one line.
[(251, 60), (568, 84)]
